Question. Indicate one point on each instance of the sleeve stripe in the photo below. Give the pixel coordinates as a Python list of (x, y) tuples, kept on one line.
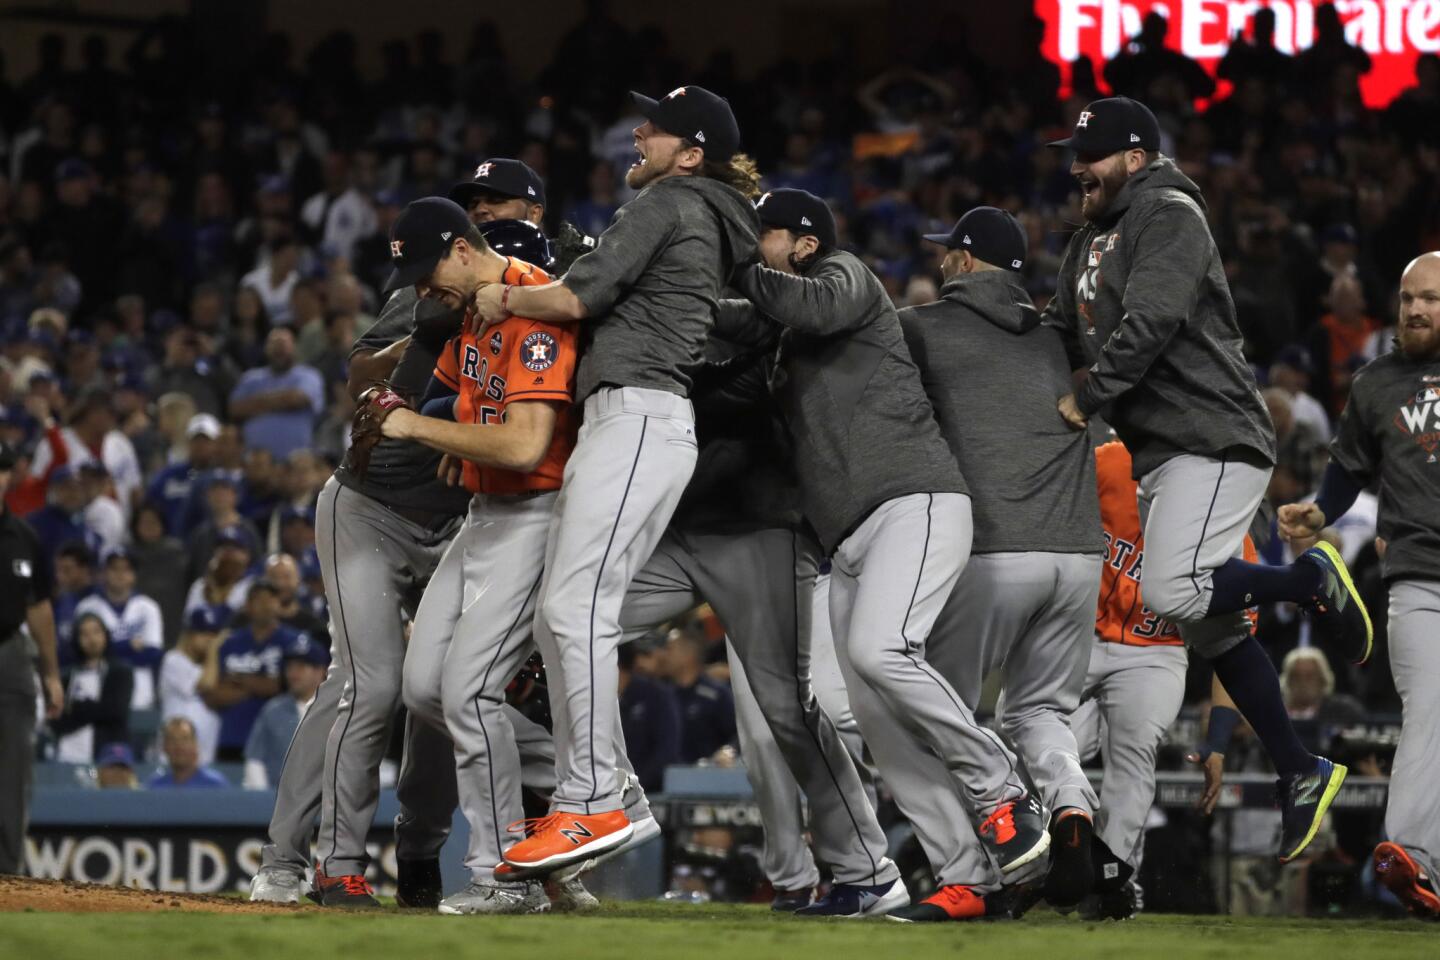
[(445, 377), (540, 395)]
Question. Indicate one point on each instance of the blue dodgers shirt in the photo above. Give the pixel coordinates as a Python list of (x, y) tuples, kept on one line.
[(239, 655)]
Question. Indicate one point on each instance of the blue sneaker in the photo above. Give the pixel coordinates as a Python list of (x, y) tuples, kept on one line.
[(1337, 608), (1304, 798), (854, 900)]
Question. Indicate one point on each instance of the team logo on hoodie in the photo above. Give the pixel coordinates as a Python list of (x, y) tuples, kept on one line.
[(1420, 420), (1087, 279)]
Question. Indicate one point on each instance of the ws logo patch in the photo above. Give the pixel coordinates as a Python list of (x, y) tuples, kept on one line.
[(1420, 420)]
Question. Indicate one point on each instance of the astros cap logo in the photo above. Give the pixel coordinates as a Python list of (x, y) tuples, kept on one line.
[(483, 170), (1084, 120), (395, 246)]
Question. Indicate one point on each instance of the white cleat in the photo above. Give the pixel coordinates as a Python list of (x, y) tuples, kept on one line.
[(571, 896), (496, 898), (641, 831), (271, 885)]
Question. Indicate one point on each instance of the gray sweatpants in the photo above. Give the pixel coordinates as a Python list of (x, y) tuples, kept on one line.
[(1195, 512), (17, 746), (750, 580), (890, 580), (1412, 816), (1132, 694), (471, 634), (786, 858), (635, 455)]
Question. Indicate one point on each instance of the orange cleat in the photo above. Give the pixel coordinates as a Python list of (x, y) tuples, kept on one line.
[(565, 838), (1401, 876), (953, 902)]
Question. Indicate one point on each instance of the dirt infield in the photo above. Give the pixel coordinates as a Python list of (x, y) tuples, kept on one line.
[(19, 894)]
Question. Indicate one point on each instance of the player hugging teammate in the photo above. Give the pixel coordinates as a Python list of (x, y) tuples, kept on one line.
[(938, 459)]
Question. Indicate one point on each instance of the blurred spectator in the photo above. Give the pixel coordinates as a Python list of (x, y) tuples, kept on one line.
[(183, 681), (338, 217), (1150, 71), (1257, 58), (1291, 372), (92, 434), (650, 720), (115, 767), (1341, 339), (157, 556), (275, 279), (593, 214), (305, 664), (278, 403), (74, 581), (1309, 687), (185, 368), (133, 620), (103, 514), (224, 586), (1299, 454), (220, 491), (172, 488), (62, 519), (283, 573), (247, 670), (183, 766), (98, 692), (706, 707)]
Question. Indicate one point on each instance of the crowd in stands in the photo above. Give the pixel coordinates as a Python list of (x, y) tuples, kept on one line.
[(182, 278)]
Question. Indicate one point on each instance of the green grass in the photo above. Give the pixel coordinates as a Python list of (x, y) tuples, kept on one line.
[(678, 932)]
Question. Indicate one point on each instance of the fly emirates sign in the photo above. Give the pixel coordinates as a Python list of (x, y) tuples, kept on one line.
[(1393, 32)]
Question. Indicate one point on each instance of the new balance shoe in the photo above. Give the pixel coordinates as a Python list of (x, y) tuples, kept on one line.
[(496, 898), (1072, 867), (856, 900), (570, 896), (1303, 800), (788, 901), (417, 884), (1014, 833), (953, 902), (642, 832), (1337, 609), (274, 885), (564, 838), (1403, 877), (351, 891)]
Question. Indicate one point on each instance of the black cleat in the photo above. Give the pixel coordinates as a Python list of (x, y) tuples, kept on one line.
[(1072, 867), (352, 891), (1014, 833), (418, 885), (788, 901)]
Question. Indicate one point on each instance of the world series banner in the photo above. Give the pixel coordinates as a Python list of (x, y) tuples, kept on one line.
[(1393, 32)]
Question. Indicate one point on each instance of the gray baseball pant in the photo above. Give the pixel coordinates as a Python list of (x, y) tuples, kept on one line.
[(750, 580), (1195, 512), (889, 581), (635, 455), (472, 633), (1412, 815), (1132, 695)]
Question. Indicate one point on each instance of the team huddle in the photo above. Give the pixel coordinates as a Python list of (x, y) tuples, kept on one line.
[(562, 446)]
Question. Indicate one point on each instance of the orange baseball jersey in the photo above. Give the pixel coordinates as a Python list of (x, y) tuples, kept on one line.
[(515, 360), (1120, 616)]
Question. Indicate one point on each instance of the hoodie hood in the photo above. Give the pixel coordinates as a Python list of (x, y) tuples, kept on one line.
[(1159, 175), (997, 295), (739, 223)]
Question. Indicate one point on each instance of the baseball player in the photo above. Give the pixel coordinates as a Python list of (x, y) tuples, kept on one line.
[(1145, 309), (1026, 598), (647, 294), (512, 427), (1134, 684), (885, 496), (737, 542), (395, 519), (1390, 432)]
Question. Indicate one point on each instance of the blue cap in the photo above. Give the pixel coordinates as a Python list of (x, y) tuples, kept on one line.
[(297, 513), (62, 473), (304, 648), (115, 755), (204, 619), (117, 553), (232, 535)]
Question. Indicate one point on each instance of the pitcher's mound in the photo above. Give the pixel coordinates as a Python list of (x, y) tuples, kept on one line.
[(63, 896)]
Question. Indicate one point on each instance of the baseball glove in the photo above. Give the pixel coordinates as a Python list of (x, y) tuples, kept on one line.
[(568, 246), (371, 409)]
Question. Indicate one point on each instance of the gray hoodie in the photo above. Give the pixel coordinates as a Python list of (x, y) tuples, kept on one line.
[(863, 429), (652, 284), (994, 374), (1143, 302)]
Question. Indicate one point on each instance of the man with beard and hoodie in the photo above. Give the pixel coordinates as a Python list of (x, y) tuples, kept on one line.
[(647, 297), (1145, 310), (1026, 600), (886, 498)]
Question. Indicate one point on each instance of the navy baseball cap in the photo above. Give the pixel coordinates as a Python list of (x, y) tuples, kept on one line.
[(232, 536), (1111, 125), (204, 620), (421, 238), (520, 239), (304, 648), (117, 553), (990, 234), (304, 514), (115, 755), (695, 114), (502, 175), (800, 212)]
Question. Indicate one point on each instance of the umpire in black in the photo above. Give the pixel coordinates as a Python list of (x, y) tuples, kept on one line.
[(24, 602)]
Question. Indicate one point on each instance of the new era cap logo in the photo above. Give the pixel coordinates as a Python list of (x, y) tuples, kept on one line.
[(445, 236), (1084, 120), (395, 246), (483, 170), (1134, 138), (677, 92), (967, 240), (530, 190), (700, 135), (1015, 264), (805, 222)]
